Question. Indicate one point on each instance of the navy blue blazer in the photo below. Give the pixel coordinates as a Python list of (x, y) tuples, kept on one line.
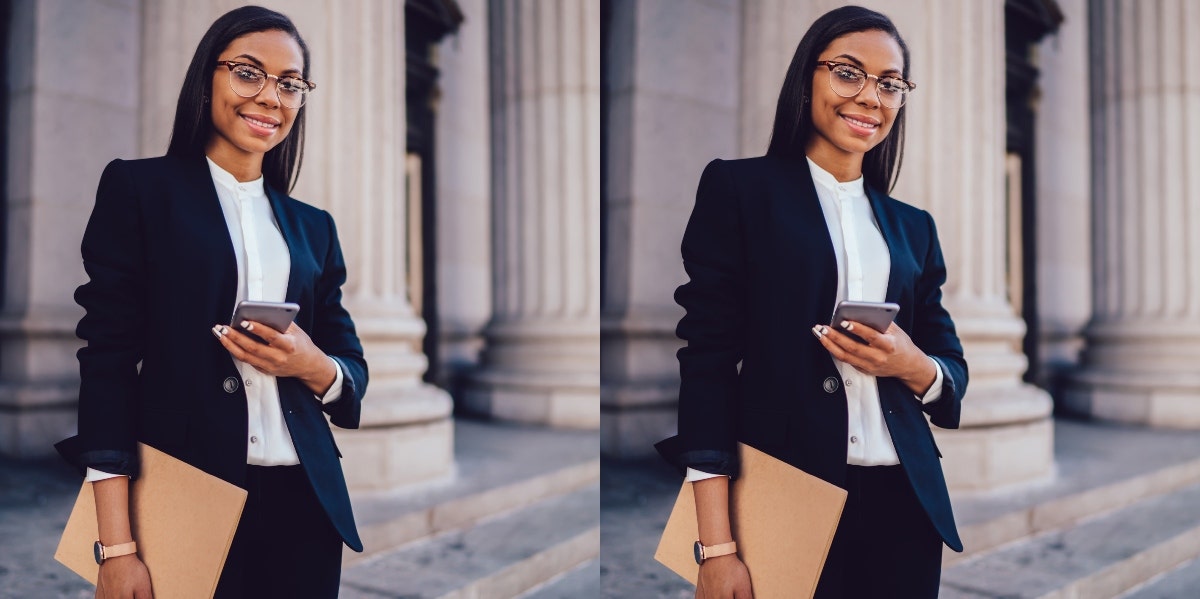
[(162, 272), (762, 272)]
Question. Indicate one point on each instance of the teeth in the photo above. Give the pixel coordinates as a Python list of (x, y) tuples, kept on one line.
[(860, 123), (260, 123)]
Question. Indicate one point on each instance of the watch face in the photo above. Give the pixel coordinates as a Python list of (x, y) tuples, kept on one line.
[(698, 549), (98, 549)]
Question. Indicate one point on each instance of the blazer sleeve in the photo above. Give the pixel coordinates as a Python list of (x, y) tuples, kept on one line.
[(333, 332), (113, 328), (933, 332), (713, 327)]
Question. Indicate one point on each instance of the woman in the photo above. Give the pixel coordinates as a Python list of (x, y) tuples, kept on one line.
[(172, 246), (773, 244)]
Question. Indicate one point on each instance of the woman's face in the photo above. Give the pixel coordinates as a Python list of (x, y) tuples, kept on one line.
[(848, 127), (251, 126)]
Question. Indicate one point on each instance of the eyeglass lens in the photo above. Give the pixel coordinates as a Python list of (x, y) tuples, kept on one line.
[(848, 81), (247, 81)]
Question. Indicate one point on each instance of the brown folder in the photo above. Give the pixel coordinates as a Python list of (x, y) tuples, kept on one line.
[(183, 520), (783, 520)]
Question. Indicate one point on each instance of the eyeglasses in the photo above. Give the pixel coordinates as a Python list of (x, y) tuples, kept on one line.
[(848, 81), (248, 81)]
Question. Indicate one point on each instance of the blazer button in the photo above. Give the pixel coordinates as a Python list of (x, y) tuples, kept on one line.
[(831, 385), (231, 385)]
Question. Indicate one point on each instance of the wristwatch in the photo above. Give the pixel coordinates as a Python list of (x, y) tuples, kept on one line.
[(103, 553), (711, 551)]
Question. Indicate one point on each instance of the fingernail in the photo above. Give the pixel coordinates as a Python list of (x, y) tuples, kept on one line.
[(846, 324), (216, 331), (246, 325), (816, 331), (223, 329)]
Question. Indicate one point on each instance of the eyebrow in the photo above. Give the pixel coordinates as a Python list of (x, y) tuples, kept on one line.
[(860, 65), (260, 65)]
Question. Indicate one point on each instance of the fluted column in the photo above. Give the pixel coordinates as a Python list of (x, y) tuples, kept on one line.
[(69, 112), (542, 358), (1142, 343), (954, 167), (354, 167)]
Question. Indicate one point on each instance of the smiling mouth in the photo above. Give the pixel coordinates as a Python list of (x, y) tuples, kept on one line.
[(260, 127), (860, 127)]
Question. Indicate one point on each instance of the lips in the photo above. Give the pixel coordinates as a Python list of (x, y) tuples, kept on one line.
[(861, 125), (261, 125)]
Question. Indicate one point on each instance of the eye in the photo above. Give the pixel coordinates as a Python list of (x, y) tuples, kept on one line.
[(892, 85), (847, 73), (248, 74), (292, 85)]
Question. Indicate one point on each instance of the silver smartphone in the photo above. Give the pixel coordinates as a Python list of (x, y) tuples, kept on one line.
[(277, 315), (877, 315)]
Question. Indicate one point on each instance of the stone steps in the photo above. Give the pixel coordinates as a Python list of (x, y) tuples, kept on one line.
[(583, 581), (500, 557), (1100, 556), (1101, 467), (500, 468), (1179, 583)]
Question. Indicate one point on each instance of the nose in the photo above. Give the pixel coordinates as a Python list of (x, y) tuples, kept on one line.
[(268, 96), (868, 96)]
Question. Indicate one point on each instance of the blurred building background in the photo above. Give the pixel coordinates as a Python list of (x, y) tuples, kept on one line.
[(456, 143), (1057, 145)]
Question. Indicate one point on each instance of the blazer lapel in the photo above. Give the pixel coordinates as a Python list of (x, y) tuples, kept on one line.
[(203, 211), (290, 237), (799, 209), (891, 235)]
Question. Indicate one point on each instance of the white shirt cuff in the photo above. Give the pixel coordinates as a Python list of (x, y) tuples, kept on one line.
[(694, 475), (335, 392), (95, 476), (935, 392)]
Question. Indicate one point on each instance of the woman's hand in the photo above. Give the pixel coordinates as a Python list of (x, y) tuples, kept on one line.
[(123, 577), (288, 354), (724, 577), (888, 354)]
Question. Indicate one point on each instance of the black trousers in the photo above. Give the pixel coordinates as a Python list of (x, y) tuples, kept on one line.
[(885, 544), (285, 545)]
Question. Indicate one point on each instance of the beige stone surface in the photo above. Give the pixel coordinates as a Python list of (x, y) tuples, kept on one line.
[(541, 362)]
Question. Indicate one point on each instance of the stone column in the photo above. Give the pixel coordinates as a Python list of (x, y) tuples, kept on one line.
[(464, 193), (542, 360), (953, 167), (353, 167), (671, 69), (1140, 361), (70, 111), (1064, 197)]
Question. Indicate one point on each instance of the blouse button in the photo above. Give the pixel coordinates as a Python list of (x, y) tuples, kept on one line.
[(254, 439), (831, 385), (854, 439)]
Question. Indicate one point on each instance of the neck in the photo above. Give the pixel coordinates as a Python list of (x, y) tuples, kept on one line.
[(244, 166), (844, 166)]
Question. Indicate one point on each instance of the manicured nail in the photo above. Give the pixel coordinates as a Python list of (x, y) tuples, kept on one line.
[(846, 324), (816, 331), (216, 331), (246, 325)]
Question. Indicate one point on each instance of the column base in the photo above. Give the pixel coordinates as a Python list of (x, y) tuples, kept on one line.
[(406, 439), (1166, 400), (635, 416), (1006, 441), (566, 401)]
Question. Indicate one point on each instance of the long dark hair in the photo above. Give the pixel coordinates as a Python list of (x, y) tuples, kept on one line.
[(193, 117), (793, 116)]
